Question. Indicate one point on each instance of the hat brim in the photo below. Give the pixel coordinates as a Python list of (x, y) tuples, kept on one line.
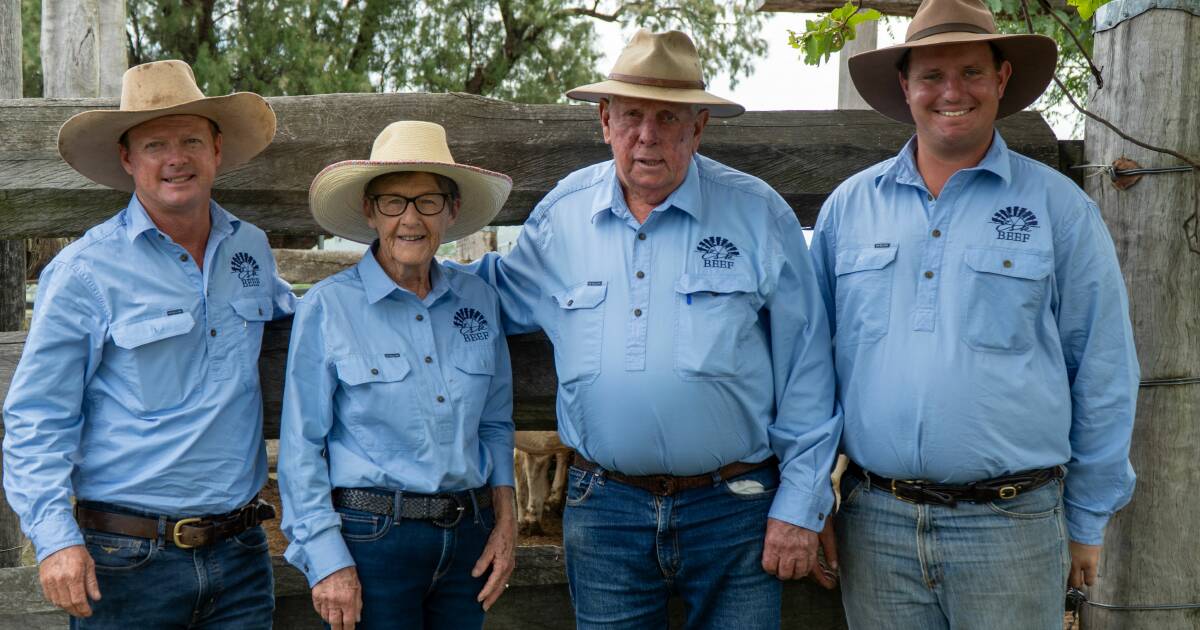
[(88, 140), (1033, 58), (335, 196), (717, 107)]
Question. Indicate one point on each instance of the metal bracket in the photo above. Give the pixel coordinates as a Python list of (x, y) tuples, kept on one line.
[(1117, 11)]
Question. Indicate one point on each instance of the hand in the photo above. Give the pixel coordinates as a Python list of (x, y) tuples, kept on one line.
[(68, 579), (500, 552), (825, 573), (1084, 560), (789, 551), (338, 599)]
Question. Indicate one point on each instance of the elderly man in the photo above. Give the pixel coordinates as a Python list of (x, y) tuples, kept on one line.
[(137, 393), (982, 343), (693, 358)]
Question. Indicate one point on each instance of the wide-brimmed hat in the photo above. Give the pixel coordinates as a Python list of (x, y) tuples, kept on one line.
[(939, 22), (659, 67), (336, 194), (88, 141)]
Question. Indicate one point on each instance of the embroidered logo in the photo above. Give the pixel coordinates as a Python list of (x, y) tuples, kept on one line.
[(472, 324), (717, 252), (1014, 224), (246, 268)]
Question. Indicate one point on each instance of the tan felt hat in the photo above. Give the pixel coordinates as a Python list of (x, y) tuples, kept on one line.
[(336, 194), (659, 67), (88, 141), (939, 22)]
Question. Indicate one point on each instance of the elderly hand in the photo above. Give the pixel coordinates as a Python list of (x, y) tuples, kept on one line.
[(338, 599), (68, 579), (789, 551), (1084, 561), (500, 552)]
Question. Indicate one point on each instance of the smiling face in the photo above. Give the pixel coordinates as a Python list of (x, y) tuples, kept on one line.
[(173, 161), (407, 243), (953, 92), (652, 144)]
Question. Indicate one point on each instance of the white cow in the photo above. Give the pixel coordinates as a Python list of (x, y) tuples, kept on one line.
[(535, 493)]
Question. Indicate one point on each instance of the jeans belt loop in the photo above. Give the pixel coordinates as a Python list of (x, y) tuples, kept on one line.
[(474, 504), (716, 478)]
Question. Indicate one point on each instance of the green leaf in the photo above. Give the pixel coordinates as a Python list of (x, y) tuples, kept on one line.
[(1087, 8)]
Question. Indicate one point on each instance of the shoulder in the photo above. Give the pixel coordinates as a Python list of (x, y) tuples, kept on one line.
[(728, 180), (336, 288), (570, 190), (1028, 171), (100, 240), (469, 286)]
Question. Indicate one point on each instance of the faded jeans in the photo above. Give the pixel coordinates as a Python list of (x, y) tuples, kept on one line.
[(629, 551), (980, 566)]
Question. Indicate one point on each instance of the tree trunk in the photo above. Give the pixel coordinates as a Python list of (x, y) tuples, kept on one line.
[(1151, 68), (866, 36)]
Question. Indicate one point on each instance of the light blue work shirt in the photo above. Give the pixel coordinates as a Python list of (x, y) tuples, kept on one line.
[(388, 390), (692, 341), (983, 332), (138, 384)]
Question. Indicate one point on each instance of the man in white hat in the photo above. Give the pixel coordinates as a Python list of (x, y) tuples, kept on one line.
[(693, 357), (983, 346), (137, 394)]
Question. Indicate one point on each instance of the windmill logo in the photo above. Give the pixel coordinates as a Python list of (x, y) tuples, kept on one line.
[(1014, 224), (472, 324), (717, 252), (246, 268)]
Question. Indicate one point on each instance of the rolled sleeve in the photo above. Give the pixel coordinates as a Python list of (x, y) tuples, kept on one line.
[(496, 426)]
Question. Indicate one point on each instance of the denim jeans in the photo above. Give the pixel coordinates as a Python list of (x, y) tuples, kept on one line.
[(979, 566), (416, 574), (629, 551), (154, 584)]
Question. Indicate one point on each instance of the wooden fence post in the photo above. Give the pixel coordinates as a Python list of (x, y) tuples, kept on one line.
[(1151, 61), (866, 35)]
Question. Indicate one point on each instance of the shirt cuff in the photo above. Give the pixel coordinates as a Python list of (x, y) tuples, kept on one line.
[(800, 508), (501, 475), (54, 533), (320, 556), (1086, 527)]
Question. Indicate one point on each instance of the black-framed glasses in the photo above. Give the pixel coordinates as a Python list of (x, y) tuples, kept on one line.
[(427, 204)]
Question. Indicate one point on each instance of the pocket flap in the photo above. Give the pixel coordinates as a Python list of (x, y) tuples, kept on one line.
[(371, 368), (254, 309), (715, 283), (136, 334), (1009, 263), (481, 360), (864, 259), (586, 295)]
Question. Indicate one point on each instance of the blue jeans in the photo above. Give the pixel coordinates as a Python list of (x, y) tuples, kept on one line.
[(982, 566), (629, 551), (154, 584), (416, 574)]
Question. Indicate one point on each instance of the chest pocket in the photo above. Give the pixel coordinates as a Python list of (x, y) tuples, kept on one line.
[(158, 358), (375, 403), (251, 314), (713, 314), (1005, 292), (580, 332), (864, 293)]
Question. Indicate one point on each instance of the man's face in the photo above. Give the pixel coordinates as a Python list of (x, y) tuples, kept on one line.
[(411, 239), (652, 143), (173, 161), (954, 93)]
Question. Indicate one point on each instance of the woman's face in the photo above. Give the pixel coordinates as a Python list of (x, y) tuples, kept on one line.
[(411, 239)]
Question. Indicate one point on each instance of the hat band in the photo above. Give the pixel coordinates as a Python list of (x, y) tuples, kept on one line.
[(654, 82), (959, 27)]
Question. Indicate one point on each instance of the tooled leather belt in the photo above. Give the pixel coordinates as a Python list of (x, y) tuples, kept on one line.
[(667, 485)]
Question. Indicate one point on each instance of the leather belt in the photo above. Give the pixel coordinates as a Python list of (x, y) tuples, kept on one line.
[(185, 533), (667, 485), (996, 489), (444, 510)]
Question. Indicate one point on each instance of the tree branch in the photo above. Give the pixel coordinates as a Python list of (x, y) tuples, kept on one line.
[(1078, 44)]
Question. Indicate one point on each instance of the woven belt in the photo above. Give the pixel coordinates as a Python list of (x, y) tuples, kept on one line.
[(444, 510), (185, 533), (996, 489), (667, 485)]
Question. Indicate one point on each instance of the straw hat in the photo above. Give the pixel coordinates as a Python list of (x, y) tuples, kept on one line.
[(659, 67), (88, 141), (955, 22), (336, 194)]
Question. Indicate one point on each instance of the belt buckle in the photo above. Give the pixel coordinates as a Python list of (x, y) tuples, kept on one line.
[(460, 509), (178, 529), (1008, 492), (896, 493)]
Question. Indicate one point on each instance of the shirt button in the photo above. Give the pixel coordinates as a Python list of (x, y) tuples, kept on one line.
[(183, 257), (212, 333), (374, 371), (161, 237), (420, 317), (570, 302), (936, 233), (637, 312), (441, 399), (641, 236), (640, 275), (1007, 264), (928, 274), (929, 196), (429, 359), (820, 516)]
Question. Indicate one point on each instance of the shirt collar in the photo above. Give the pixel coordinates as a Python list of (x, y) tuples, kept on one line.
[(903, 169), (378, 285), (610, 196), (137, 220)]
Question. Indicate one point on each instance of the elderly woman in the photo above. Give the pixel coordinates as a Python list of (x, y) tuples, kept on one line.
[(396, 452)]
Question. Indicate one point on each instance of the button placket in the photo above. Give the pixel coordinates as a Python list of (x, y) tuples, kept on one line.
[(639, 300), (933, 248)]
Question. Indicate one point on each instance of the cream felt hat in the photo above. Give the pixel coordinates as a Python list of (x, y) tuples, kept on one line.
[(88, 140), (939, 22), (336, 194), (659, 67)]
